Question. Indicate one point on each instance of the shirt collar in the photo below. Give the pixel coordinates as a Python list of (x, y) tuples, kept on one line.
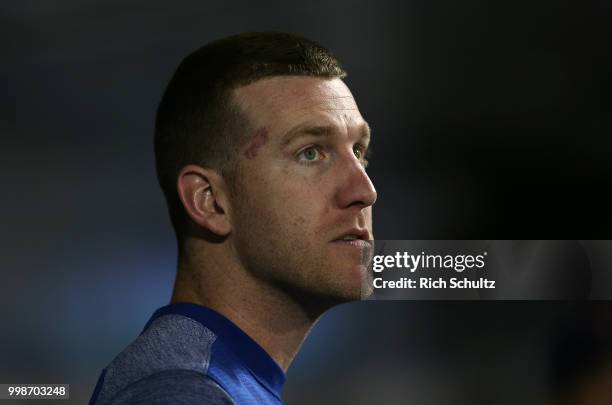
[(254, 356)]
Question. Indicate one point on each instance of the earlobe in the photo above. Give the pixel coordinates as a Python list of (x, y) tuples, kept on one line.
[(201, 192)]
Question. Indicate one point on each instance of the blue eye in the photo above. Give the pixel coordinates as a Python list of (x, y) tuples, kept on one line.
[(310, 154), (361, 154)]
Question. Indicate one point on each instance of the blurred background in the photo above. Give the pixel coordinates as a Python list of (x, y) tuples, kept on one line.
[(491, 120)]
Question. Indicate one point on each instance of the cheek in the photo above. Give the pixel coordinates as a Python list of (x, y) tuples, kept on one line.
[(294, 209), (306, 200), (284, 199), (297, 210)]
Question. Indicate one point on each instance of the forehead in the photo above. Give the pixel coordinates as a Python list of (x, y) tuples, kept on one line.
[(284, 101)]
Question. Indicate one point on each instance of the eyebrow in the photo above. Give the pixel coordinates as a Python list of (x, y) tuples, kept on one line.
[(322, 131)]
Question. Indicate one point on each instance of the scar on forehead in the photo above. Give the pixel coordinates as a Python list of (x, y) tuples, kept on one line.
[(259, 139)]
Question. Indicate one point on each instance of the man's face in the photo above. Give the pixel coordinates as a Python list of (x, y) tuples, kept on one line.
[(302, 192)]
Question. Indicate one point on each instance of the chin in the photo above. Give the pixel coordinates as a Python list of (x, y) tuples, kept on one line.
[(350, 284), (321, 287), (324, 295)]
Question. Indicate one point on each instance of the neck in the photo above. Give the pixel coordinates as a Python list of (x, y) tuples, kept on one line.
[(278, 323)]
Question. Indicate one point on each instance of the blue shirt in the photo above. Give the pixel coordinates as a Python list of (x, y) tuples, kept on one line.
[(189, 354)]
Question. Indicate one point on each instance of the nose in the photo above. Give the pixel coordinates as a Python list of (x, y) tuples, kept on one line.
[(356, 188)]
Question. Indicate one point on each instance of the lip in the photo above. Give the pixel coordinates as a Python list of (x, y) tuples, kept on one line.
[(357, 243), (362, 237)]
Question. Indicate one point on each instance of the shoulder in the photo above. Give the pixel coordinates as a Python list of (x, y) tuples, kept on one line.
[(172, 343), (183, 387)]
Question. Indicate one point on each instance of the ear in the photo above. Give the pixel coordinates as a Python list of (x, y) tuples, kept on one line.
[(204, 196)]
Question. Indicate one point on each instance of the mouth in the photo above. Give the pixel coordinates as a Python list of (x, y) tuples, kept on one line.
[(359, 238)]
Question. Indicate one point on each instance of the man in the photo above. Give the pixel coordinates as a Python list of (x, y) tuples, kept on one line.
[(261, 154)]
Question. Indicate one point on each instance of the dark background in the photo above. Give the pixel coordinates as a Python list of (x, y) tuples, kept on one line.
[(491, 120)]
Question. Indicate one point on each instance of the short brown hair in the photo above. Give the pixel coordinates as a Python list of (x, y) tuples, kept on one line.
[(197, 121)]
